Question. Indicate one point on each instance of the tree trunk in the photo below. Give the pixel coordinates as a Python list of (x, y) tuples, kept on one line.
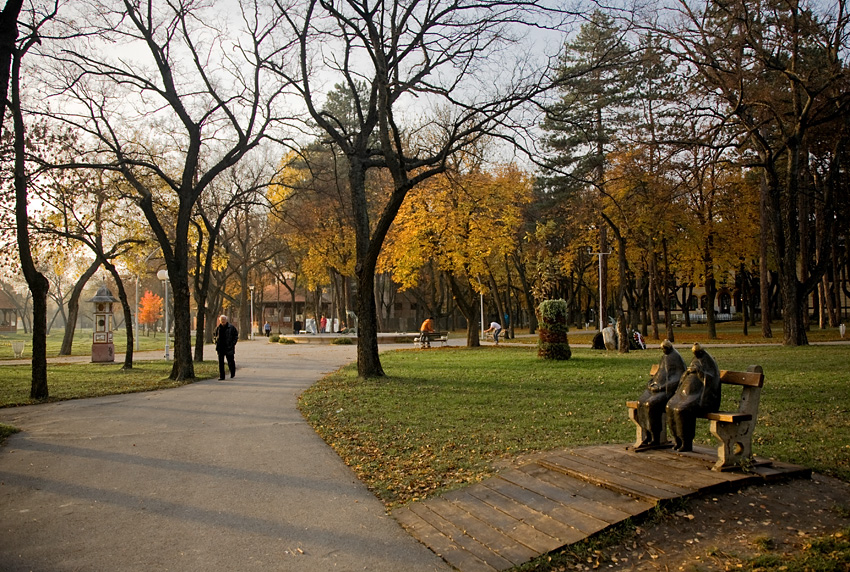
[(764, 276), (469, 311), (668, 322), (653, 301), (529, 299), (36, 281), (368, 362), (710, 287), (74, 308), (128, 317)]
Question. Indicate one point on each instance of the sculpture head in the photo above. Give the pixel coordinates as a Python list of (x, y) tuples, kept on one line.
[(667, 346), (697, 349)]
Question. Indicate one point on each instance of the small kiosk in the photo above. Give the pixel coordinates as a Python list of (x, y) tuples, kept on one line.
[(102, 348)]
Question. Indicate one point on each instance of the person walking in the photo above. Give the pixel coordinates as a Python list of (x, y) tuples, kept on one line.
[(226, 335), (267, 329)]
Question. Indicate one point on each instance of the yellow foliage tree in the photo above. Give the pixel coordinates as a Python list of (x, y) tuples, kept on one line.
[(462, 221)]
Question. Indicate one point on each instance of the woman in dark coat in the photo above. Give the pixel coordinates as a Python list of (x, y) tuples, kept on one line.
[(698, 393)]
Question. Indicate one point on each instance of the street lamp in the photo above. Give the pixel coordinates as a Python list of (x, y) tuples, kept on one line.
[(601, 309), (163, 275), (251, 288)]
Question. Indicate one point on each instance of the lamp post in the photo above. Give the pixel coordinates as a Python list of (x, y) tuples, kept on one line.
[(251, 288), (163, 275), (601, 309)]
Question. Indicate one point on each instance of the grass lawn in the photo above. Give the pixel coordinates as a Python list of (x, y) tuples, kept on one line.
[(82, 342), (74, 381), (727, 333), (442, 417)]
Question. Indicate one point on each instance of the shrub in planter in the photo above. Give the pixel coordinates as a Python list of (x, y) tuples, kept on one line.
[(274, 338), (552, 342), (284, 340), (342, 341)]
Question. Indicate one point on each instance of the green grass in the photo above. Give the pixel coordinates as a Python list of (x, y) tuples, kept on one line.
[(441, 418), (81, 345), (727, 333), (75, 381)]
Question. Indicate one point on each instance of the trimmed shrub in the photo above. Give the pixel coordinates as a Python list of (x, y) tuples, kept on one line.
[(552, 342), (274, 338), (284, 340), (342, 341)]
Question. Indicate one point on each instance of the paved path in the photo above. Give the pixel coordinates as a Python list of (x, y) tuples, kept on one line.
[(217, 475)]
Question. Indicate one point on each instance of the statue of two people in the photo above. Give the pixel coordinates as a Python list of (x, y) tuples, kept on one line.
[(695, 392)]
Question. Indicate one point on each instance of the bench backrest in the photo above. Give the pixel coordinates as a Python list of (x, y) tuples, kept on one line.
[(753, 377)]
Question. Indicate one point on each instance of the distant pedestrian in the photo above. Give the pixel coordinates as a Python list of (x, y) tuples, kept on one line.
[(495, 327), (323, 324), (226, 335), (267, 328)]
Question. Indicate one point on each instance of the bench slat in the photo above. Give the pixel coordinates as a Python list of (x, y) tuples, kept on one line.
[(748, 378), (728, 416)]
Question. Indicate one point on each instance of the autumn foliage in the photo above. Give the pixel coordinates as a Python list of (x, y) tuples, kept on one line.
[(150, 309)]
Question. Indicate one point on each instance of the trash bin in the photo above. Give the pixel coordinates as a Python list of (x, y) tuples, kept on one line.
[(18, 348)]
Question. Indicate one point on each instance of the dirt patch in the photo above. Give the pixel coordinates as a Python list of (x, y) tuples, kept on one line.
[(717, 532)]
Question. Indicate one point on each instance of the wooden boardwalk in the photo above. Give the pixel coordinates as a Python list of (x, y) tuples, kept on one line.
[(561, 498)]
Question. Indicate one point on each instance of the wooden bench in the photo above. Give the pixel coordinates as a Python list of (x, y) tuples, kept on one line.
[(734, 429), (424, 339)]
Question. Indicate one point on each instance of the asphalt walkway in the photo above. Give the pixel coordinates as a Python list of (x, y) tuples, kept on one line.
[(216, 475)]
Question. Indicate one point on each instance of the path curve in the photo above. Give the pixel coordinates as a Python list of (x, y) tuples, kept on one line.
[(216, 475)]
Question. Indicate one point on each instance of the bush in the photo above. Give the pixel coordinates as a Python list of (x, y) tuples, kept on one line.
[(552, 342), (342, 341), (284, 340), (274, 338)]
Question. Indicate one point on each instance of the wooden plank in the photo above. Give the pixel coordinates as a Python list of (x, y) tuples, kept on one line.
[(523, 506), (602, 475), (590, 496), (727, 416), (509, 524), (507, 552), (571, 498), (467, 553), (539, 522), (583, 523), (439, 543), (637, 464), (749, 378)]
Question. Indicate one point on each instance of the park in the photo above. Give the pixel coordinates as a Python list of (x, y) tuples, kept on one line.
[(537, 285), (497, 408)]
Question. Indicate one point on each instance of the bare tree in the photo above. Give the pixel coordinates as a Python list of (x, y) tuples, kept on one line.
[(187, 90), (38, 285), (444, 54)]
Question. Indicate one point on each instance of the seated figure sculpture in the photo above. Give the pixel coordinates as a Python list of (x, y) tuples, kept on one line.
[(652, 404), (698, 393)]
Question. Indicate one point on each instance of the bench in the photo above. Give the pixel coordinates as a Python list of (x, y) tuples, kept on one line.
[(733, 429), (424, 339)]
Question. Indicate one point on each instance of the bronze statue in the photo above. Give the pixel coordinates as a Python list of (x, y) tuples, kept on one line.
[(698, 393), (652, 404)]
